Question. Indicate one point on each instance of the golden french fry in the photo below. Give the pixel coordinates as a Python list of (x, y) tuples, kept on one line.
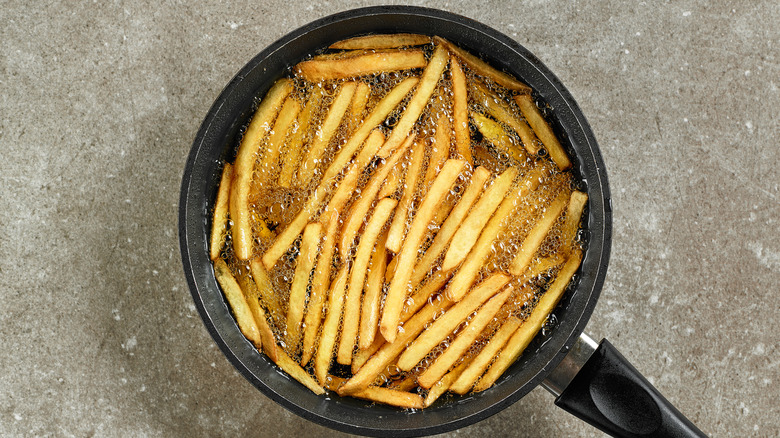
[(539, 266), (482, 68), (398, 226), (330, 327), (479, 364), (469, 231), (295, 371), (460, 111), (269, 159), (243, 166), (439, 150), (428, 81), (444, 383), (362, 63), (445, 324), (463, 340), (536, 236), (399, 286), (498, 137), (501, 111), (351, 324), (393, 180), (296, 145), (325, 132), (220, 217), (235, 298), (572, 222), (369, 315), (542, 129), (528, 329), (423, 294), (363, 354), (383, 41), (300, 282), (268, 296), (252, 295), (358, 106), (388, 396)]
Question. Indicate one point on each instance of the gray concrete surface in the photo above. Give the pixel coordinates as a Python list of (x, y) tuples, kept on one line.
[(99, 104)]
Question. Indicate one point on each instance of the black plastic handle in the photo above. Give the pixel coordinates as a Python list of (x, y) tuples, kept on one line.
[(609, 393)]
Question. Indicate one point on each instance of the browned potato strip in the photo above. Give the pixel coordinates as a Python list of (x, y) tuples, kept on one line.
[(460, 112), (572, 222), (252, 295), (428, 81), (498, 137), (440, 150), (398, 226), (361, 64), (500, 109), (481, 68), (369, 315), (243, 167), (388, 396), (538, 233), (479, 364), (475, 222), (235, 298), (290, 367), (351, 320), (451, 224), (463, 340), (523, 336), (445, 324), (543, 130), (296, 145), (330, 328), (399, 286), (220, 218), (325, 132), (269, 160), (382, 41), (444, 383), (300, 282), (268, 296)]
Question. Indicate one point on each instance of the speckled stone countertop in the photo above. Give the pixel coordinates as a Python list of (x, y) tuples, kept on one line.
[(99, 104)]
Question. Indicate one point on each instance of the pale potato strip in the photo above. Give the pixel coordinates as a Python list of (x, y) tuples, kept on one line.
[(368, 238), (460, 111), (528, 329), (325, 133), (320, 283), (543, 130), (398, 226), (330, 327), (296, 146), (237, 301), (467, 234), (428, 81), (451, 224), (361, 64), (360, 206), (220, 217), (497, 136), (399, 286), (538, 233), (445, 324), (388, 396), (481, 68), (573, 216), (268, 296), (295, 371), (382, 41), (300, 282), (369, 313), (243, 167), (444, 383), (439, 150), (463, 340), (269, 159), (478, 365), (252, 295), (501, 110)]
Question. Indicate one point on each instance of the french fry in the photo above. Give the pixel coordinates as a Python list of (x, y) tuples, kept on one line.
[(539, 266), (325, 132), (479, 364), (482, 68), (351, 320), (220, 217), (362, 355), (296, 144), (542, 129), (252, 295), (295, 371), (473, 224), (398, 226), (358, 105), (423, 294), (445, 324), (399, 286), (362, 63), (393, 180), (268, 297), (500, 109), (269, 159), (463, 340), (300, 282), (383, 41), (498, 137), (235, 298), (243, 166), (451, 224), (392, 397), (460, 112), (330, 327), (536, 236), (369, 314), (572, 222), (444, 383), (528, 329), (440, 150), (428, 81)]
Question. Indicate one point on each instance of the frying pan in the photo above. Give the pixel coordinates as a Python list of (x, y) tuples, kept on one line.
[(591, 380)]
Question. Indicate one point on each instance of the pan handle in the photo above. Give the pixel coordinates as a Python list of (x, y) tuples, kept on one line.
[(597, 384)]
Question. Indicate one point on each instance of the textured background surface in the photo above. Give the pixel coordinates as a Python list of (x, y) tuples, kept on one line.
[(99, 104)]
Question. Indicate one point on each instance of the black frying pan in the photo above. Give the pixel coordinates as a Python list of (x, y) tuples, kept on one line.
[(592, 381)]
